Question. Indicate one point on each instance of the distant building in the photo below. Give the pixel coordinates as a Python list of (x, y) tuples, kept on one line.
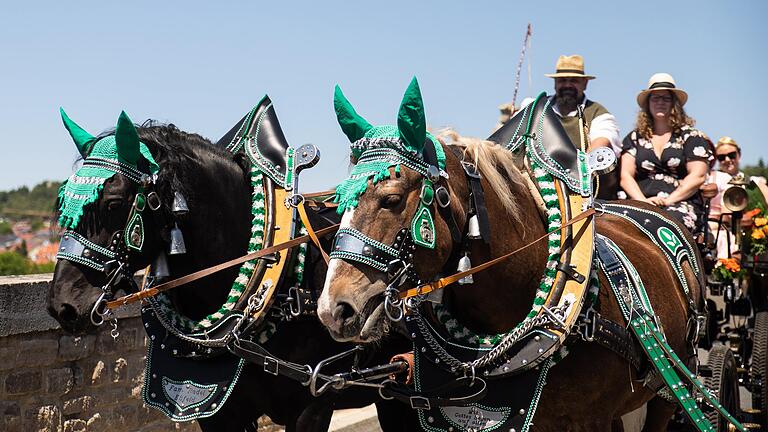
[(44, 253), (9, 242)]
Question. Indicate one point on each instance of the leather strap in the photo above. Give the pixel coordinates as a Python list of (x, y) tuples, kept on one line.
[(151, 292), (616, 338), (311, 231), (443, 282), (426, 400), (478, 200)]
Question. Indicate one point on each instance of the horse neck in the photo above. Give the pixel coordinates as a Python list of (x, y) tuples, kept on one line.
[(216, 229), (502, 295)]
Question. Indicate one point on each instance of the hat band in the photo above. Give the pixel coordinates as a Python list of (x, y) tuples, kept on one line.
[(661, 84), (578, 71)]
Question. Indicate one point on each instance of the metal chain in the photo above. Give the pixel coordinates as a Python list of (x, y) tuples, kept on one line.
[(509, 340)]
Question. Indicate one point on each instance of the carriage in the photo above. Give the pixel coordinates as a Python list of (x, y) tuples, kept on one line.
[(414, 209), (735, 333)]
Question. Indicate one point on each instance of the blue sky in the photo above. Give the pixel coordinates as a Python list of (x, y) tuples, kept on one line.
[(202, 65)]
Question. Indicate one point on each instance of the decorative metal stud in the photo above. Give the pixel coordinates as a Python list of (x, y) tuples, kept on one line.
[(87, 253)]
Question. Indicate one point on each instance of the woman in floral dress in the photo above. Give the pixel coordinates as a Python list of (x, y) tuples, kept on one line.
[(665, 160)]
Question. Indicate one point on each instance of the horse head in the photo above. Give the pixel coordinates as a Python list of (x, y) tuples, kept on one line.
[(406, 207), (119, 216)]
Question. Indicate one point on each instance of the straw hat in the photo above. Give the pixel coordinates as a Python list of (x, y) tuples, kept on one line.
[(661, 82), (726, 140), (570, 66)]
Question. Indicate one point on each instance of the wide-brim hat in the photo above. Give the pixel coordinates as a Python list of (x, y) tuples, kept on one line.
[(661, 82), (570, 67)]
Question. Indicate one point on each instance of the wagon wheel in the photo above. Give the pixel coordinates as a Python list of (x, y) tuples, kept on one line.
[(758, 372), (724, 382)]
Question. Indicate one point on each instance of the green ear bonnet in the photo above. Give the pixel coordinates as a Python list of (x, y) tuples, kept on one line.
[(102, 159), (378, 148)]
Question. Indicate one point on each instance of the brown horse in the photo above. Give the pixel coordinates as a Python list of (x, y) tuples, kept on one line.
[(592, 387)]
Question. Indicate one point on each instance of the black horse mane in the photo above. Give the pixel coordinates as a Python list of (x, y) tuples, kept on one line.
[(178, 153)]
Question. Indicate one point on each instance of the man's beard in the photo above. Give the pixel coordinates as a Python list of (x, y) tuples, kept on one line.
[(567, 99)]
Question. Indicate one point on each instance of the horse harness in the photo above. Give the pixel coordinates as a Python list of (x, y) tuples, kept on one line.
[(567, 312)]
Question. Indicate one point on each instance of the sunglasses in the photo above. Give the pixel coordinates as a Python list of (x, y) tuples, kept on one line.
[(731, 156)]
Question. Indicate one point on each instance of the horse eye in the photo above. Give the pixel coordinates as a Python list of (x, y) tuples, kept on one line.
[(114, 204), (391, 201)]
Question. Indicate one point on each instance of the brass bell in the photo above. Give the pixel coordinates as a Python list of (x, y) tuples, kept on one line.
[(464, 265), (160, 267), (179, 206), (473, 231), (177, 242)]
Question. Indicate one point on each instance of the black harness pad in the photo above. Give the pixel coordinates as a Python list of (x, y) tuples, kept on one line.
[(184, 388), (262, 138), (500, 409), (556, 151)]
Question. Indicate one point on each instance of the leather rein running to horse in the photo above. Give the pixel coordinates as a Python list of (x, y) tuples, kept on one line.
[(312, 235)]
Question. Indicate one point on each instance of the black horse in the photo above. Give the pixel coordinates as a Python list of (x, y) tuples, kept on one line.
[(216, 185)]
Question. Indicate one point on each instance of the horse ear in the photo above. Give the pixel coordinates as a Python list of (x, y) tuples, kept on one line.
[(82, 139), (351, 123), (411, 121), (127, 139)]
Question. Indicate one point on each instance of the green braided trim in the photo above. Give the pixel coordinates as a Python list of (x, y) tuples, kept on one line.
[(246, 269), (462, 334)]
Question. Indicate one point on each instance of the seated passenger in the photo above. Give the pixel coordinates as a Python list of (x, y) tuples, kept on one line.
[(664, 159)]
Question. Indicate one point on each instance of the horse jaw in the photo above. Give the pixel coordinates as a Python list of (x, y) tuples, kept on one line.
[(346, 285)]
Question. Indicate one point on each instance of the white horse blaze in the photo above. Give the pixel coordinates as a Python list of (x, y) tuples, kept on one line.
[(324, 302)]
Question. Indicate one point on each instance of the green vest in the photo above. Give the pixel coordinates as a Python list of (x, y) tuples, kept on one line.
[(571, 124)]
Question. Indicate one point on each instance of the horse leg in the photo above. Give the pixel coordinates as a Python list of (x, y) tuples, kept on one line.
[(659, 414), (315, 417)]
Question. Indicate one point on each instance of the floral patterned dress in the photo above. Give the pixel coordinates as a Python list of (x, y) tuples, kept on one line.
[(661, 176)]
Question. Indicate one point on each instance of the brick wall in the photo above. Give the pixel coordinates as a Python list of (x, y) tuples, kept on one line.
[(50, 381)]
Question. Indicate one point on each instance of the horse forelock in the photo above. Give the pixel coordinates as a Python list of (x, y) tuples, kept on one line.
[(497, 166)]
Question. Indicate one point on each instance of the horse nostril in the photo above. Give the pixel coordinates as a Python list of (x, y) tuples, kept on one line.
[(343, 312), (67, 313)]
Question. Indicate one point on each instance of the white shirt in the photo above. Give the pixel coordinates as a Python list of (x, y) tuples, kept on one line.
[(602, 126)]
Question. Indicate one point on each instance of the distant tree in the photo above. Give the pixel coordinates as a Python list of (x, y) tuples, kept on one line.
[(5, 227), (12, 263), (22, 250), (757, 170)]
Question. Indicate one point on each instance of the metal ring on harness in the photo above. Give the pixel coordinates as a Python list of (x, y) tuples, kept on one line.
[(99, 310), (393, 304)]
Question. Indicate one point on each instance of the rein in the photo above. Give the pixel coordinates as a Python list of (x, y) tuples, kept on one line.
[(151, 292), (443, 282)]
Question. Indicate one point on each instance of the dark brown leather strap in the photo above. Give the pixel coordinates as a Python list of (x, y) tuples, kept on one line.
[(151, 292)]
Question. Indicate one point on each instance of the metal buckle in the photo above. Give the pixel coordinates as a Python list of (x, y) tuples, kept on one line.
[(136, 200), (153, 201), (470, 169), (294, 298), (588, 325), (420, 403), (442, 196), (271, 365), (421, 194)]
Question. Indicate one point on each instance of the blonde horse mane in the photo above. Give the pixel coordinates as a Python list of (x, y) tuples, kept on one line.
[(495, 163)]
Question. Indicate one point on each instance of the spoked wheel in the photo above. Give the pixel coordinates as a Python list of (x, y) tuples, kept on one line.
[(758, 372), (724, 382)]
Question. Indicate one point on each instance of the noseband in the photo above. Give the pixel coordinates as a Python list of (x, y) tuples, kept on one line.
[(396, 259)]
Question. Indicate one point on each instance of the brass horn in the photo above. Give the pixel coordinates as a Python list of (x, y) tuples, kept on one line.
[(735, 199)]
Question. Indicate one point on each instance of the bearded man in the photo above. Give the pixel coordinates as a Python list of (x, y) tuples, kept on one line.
[(602, 128)]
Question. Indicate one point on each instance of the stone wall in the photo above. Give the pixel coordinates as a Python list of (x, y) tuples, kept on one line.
[(50, 381)]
